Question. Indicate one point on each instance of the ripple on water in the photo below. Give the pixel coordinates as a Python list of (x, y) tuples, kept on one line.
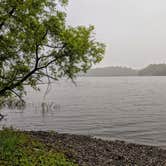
[(126, 108)]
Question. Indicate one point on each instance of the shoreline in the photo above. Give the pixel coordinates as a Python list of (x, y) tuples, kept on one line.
[(131, 142), (88, 151)]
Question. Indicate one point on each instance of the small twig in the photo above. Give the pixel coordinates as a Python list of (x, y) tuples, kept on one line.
[(18, 96), (48, 84), (1, 117)]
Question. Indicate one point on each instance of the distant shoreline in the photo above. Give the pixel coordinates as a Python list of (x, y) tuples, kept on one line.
[(116, 71)]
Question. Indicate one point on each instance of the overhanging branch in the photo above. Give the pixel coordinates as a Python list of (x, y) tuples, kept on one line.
[(10, 13)]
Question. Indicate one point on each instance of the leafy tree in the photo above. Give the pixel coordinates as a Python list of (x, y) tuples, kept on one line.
[(36, 42)]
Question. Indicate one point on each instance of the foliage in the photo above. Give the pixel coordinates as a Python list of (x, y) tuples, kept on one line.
[(20, 149), (36, 42)]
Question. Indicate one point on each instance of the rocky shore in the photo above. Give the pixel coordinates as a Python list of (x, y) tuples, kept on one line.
[(87, 151)]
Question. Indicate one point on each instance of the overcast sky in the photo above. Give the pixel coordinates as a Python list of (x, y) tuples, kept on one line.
[(133, 30)]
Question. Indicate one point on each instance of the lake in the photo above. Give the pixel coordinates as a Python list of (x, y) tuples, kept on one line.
[(125, 108)]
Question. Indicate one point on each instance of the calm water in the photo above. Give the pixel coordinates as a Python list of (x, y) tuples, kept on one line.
[(125, 108)]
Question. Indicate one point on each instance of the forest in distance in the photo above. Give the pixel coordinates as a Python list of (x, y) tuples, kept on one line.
[(150, 70)]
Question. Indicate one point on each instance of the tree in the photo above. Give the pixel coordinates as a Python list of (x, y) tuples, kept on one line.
[(36, 42)]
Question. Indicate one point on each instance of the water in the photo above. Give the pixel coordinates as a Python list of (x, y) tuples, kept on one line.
[(125, 108)]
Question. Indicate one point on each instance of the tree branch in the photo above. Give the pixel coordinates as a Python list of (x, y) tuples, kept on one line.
[(50, 46), (11, 87), (17, 95), (10, 13)]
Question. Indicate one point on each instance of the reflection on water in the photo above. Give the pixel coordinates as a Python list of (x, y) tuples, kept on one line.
[(126, 108), (43, 107)]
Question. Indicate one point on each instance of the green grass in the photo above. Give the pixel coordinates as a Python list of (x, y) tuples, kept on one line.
[(19, 149)]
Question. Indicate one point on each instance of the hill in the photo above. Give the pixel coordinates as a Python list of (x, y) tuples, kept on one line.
[(150, 70), (153, 70), (111, 71)]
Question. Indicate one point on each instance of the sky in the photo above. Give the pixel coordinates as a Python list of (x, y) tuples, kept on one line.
[(134, 31)]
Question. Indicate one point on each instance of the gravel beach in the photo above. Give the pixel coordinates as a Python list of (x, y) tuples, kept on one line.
[(87, 151)]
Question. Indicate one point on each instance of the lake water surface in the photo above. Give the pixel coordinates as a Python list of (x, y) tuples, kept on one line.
[(124, 108)]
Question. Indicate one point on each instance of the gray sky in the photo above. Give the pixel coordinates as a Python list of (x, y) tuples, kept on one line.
[(133, 30)]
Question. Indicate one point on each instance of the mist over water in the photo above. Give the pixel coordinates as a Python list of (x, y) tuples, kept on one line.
[(124, 108)]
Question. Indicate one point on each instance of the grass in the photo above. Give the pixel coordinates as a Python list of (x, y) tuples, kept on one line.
[(19, 149)]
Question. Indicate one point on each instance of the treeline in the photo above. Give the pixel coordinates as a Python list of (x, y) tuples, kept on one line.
[(151, 70), (111, 71)]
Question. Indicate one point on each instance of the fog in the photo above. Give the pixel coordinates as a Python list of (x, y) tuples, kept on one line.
[(134, 31)]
